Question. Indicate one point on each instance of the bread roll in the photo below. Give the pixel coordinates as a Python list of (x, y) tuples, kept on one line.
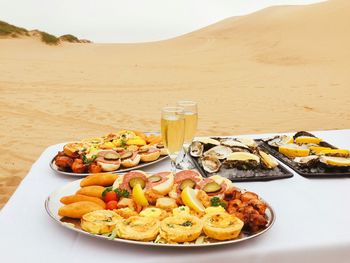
[(93, 190), (78, 209), (78, 198), (102, 179)]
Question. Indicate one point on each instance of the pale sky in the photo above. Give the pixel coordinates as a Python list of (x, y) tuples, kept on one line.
[(107, 21)]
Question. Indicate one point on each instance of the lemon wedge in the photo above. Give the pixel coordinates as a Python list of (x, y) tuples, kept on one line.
[(136, 141), (318, 149), (188, 196), (335, 161), (307, 139), (293, 150), (335, 152), (139, 196)]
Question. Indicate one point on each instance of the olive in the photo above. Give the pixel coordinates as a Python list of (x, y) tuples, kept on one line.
[(154, 178), (187, 182), (211, 187), (111, 156), (135, 181)]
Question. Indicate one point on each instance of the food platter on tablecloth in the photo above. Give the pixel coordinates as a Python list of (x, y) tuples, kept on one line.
[(53, 205)]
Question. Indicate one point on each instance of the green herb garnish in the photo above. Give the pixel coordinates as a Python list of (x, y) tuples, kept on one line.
[(107, 189), (122, 193), (216, 201), (87, 160), (186, 223)]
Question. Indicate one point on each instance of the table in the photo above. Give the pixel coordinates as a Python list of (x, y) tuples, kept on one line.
[(312, 223)]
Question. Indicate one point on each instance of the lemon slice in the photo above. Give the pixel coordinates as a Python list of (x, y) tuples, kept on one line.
[(318, 149), (307, 139), (188, 196), (335, 161), (293, 150), (139, 196), (335, 152), (136, 141)]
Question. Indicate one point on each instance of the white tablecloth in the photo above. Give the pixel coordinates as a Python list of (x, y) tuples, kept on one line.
[(313, 217)]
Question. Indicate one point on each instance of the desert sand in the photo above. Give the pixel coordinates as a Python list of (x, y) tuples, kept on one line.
[(281, 69)]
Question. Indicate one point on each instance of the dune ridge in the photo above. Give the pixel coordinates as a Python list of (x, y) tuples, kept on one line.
[(277, 70)]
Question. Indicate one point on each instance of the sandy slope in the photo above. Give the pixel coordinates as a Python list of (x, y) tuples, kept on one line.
[(281, 69)]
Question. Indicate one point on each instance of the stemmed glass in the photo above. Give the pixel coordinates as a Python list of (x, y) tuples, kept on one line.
[(191, 120), (173, 132)]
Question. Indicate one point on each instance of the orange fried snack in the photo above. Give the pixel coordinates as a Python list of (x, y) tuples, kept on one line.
[(78, 209), (93, 190), (78, 198), (153, 139), (101, 179)]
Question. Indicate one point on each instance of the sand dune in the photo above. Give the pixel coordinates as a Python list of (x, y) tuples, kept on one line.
[(280, 69)]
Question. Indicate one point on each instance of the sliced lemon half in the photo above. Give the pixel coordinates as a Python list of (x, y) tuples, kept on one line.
[(307, 139), (318, 149), (139, 196), (189, 198), (335, 161), (293, 150), (335, 152)]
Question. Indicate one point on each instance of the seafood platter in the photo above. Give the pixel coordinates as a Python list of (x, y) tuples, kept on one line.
[(238, 159), (309, 155), (121, 151), (160, 209)]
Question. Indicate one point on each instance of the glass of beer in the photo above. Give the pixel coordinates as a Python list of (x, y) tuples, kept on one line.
[(191, 120), (173, 132)]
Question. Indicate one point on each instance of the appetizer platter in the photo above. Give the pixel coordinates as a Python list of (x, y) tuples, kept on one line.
[(161, 209), (122, 151), (309, 155), (238, 159)]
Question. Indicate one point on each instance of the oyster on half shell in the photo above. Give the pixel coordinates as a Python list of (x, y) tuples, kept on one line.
[(221, 152), (307, 161), (242, 160), (267, 160), (210, 163), (196, 149)]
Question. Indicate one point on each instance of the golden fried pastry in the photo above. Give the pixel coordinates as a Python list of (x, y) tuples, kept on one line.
[(183, 228), (93, 190), (154, 212), (102, 179), (126, 212), (221, 225), (78, 209), (166, 203), (138, 228), (100, 221), (78, 198)]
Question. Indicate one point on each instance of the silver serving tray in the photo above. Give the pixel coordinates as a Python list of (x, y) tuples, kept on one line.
[(137, 167), (52, 204)]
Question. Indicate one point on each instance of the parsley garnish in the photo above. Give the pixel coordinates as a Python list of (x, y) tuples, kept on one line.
[(186, 223), (87, 160), (215, 201), (107, 189), (122, 193)]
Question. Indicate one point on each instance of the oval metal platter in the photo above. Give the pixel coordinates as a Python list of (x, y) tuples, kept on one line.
[(137, 167), (52, 204)]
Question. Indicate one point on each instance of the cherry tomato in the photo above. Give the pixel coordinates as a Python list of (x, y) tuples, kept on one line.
[(110, 196), (112, 205)]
